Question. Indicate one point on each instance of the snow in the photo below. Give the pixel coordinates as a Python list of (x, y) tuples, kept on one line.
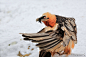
[(19, 16)]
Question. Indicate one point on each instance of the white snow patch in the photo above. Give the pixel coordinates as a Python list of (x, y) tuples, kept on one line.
[(18, 16)]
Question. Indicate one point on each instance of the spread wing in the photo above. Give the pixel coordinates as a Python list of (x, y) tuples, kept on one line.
[(48, 41), (55, 40)]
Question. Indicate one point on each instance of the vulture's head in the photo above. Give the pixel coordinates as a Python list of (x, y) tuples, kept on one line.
[(48, 19)]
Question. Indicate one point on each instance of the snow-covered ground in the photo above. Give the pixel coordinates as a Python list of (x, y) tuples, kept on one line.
[(18, 16)]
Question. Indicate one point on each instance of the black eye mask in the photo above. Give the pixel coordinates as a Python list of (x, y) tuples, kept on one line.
[(41, 18)]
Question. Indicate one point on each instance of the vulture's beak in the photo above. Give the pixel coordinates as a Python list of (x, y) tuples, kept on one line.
[(43, 18)]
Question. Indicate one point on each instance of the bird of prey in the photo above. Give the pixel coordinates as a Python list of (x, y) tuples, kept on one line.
[(59, 36)]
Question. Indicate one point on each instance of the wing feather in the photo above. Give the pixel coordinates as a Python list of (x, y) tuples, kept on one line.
[(34, 34), (48, 43), (45, 40), (70, 31), (68, 25), (40, 38), (51, 46)]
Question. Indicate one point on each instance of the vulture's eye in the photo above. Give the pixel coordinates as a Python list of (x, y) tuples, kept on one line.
[(44, 17)]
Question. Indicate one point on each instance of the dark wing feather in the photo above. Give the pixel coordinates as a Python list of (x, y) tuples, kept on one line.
[(69, 27), (47, 40)]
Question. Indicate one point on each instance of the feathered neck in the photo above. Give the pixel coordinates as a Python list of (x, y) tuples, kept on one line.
[(51, 21)]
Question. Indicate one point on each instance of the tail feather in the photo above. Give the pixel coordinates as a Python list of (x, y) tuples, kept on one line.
[(43, 53), (60, 49)]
